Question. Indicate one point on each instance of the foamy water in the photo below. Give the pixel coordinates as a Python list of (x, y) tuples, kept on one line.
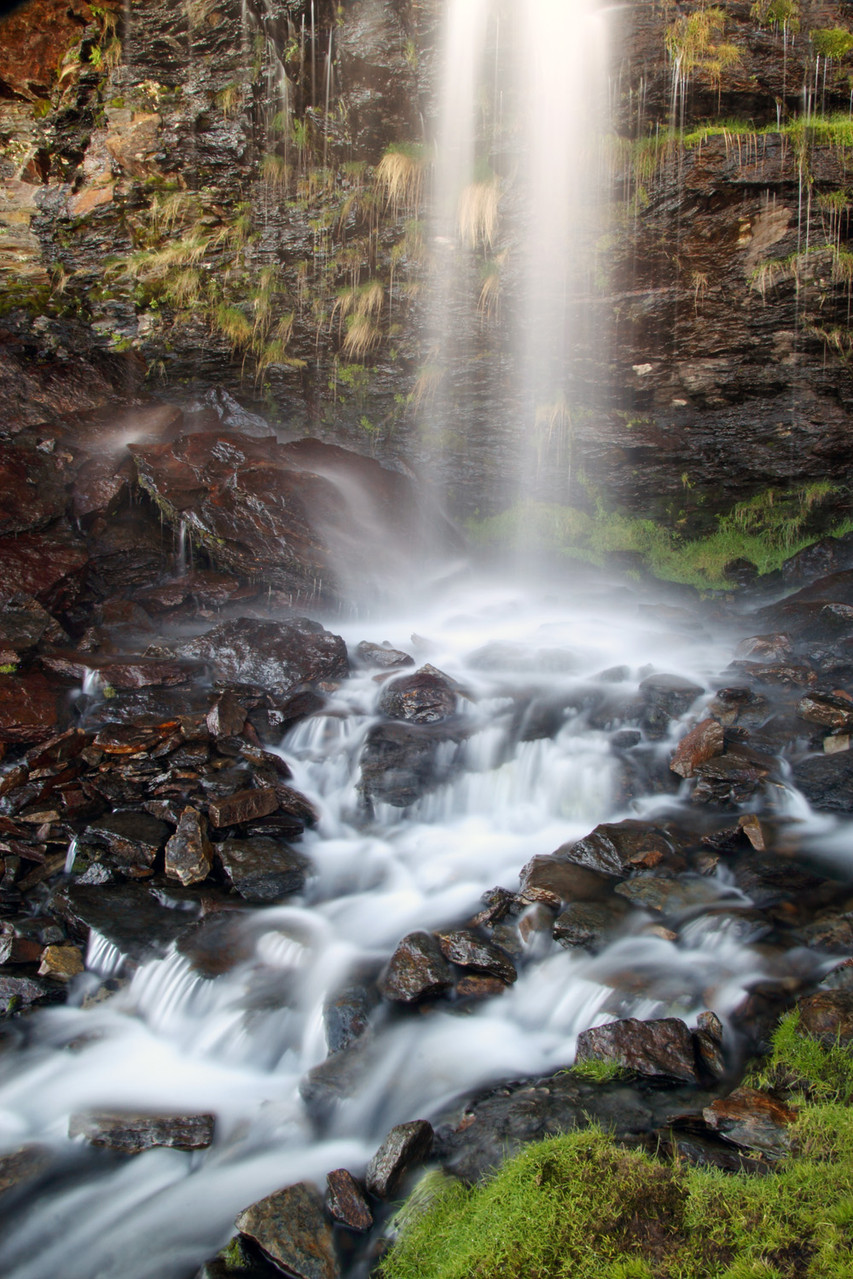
[(240, 1045)]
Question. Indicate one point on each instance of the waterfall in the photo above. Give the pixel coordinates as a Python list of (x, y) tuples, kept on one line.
[(519, 210)]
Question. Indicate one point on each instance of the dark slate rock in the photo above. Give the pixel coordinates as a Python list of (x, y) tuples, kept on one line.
[(400, 762), (291, 1228), (828, 1015), (131, 838), (226, 716), (426, 697), (586, 923), (24, 624), (242, 806), (22, 1165), (708, 1042), (417, 970), (730, 779), (752, 1120), (275, 655), (130, 1133), (346, 1202), (347, 1015), (127, 915), (19, 993), (827, 781), (553, 880), (660, 1048), (263, 869), (405, 1146), (28, 708), (665, 698), (702, 743), (827, 709), (470, 951), (382, 656)]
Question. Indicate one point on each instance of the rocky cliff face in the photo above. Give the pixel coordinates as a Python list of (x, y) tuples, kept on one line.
[(217, 195)]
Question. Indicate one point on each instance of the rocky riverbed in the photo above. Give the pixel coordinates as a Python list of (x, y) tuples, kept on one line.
[(207, 738)]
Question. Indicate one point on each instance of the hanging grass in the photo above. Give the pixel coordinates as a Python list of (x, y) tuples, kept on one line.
[(400, 175), (478, 212)]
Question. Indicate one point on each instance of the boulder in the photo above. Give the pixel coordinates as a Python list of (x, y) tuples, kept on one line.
[(279, 656), (345, 1201), (426, 697), (702, 743), (660, 1049), (618, 848), (826, 781), (28, 708), (291, 1228), (828, 1015), (470, 951)]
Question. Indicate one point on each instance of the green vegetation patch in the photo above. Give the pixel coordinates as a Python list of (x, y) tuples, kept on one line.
[(832, 42), (799, 1063), (766, 530), (581, 1207)]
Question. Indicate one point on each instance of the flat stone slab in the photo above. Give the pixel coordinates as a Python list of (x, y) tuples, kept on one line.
[(130, 1132)]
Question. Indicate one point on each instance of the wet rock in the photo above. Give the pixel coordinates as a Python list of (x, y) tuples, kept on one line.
[(708, 1042), (291, 1228), (239, 1259), (382, 656), (617, 848), (127, 915), (828, 1015), (189, 852), (114, 673), (274, 655), (586, 924), (21, 1165), (470, 951), (768, 648), (347, 1015), (28, 708), (752, 1120), (702, 743), (262, 869), (220, 941), (345, 1201), (242, 806), (24, 625), (33, 487), (296, 805), (404, 1147), (401, 762), (730, 779), (826, 781), (226, 716), (660, 1049), (417, 970), (669, 896), (426, 697), (129, 1132), (479, 986), (664, 699), (46, 566), (61, 962), (131, 838), (552, 881), (827, 709), (19, 993)]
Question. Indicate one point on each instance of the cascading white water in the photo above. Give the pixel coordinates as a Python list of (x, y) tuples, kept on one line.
[(240, 1045)]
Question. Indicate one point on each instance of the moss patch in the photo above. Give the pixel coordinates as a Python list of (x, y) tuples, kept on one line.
[(581, 1207), (765, 530)]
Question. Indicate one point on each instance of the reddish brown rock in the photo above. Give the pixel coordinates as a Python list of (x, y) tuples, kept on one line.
[(661, 1048), (552, 881), (470, 951), (189, 852), (49, 568), (417, 970), (702, 743), (617, 848), (28, 708), (752, 1120), (426, 697), (346, 1202), (242, 806), (828, 1015), (830, 710), (291, 1228)]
